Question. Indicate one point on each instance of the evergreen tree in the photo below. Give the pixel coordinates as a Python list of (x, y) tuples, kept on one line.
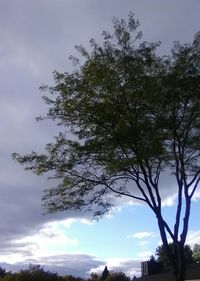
[(104, 274)]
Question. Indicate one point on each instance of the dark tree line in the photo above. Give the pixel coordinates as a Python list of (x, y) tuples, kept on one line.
[(37, 273)]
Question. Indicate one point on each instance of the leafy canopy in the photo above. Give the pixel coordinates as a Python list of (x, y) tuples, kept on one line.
[(163, 258)]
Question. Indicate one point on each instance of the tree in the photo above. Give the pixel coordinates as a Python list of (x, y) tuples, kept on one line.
[(117, 276), (35, 273), (196, 252), (2, 272), (71, 278), (163, 258), (154, 266), (128, 116), (94, 277), (104, 274)]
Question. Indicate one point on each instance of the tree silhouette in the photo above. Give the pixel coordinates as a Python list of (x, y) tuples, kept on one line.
[(104, 274)]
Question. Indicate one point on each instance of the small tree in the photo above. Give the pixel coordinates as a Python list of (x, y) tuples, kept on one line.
[(128, 116)]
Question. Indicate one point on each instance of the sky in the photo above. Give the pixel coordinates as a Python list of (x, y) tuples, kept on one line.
[(36, 38)]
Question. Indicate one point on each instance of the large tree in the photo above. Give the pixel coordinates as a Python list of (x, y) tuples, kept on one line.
[(127, 116)]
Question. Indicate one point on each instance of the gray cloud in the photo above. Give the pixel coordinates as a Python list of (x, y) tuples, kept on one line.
[(79, 265)]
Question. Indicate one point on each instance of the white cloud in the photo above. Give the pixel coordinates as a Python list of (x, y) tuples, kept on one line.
[(64, 223), (112, 211), (196, 195), (141, 235), (193, 237), (144, 242), (145, 255), (169, 201), (86, 221), (51, 239)]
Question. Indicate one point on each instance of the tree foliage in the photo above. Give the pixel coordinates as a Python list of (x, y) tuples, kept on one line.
[(127, 117), (117, 276), (37, 273), (2, 272), (94, 277), (163, 258), (104, 274), (196, 252), (33, 273)]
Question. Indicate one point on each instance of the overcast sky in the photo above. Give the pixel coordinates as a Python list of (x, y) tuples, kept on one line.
[(37, 37)]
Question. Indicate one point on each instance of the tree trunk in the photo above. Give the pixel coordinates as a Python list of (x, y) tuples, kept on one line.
[(177, 257), (178, 264), (179, 272)]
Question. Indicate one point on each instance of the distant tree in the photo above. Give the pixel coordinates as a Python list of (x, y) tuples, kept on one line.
[(196, 252), (154, 266), (2, 272), (94, 277), (163, 257), (152, 259), (36, 273), (104, 274), (128, 117), (117, 276), (188, 254), (71, 278)]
